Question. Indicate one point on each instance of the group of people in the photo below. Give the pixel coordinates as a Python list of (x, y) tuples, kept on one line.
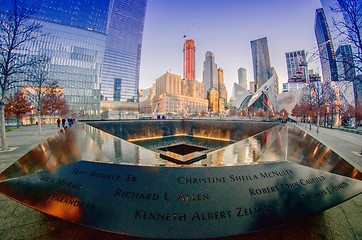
[(70, 121)]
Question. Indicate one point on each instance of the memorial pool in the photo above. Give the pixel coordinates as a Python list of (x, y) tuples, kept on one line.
[(181, 179)]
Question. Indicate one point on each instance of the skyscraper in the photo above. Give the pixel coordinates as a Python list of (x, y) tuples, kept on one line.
[(346, 72), (122, 54), (189, 59), (325, 47), (346, 12), (296, 72), (222, 90), (209, 73), (345, 65), (94, 48), (332, 15), (242, 79), (350, 19), (220, 76), (261, 61), (252, 87)]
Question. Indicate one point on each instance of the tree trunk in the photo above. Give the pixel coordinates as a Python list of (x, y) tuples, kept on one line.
[(39, 122), (332, 119), (356, 105), (4, 144), (318, 120), (17, 120)]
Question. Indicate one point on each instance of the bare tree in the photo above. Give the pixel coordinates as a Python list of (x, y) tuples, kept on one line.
[(320, 90), (309, 102), (332, 101), (348, 112), (17, 31), (349, 31), (39, 85)]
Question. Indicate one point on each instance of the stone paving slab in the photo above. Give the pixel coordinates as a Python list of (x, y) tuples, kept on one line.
[(20, 222)]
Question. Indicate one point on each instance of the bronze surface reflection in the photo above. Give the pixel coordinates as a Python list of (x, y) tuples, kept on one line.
[(64, 147), (260, 175), (306, 150)]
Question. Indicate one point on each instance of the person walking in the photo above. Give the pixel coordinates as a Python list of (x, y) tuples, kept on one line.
[(58, 122), (69, 122), (63, 122)]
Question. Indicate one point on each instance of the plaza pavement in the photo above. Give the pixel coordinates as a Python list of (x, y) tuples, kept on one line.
[(340, 222)]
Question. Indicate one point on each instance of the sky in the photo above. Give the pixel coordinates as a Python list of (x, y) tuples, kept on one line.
[(225, 27)]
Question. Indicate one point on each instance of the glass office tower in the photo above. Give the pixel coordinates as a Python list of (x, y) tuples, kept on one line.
[(242, 78), (209, 73), (296, 72), (325, 47), (94, 48), (345, 63), (261, 61), (121, 65), (76, 57)]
